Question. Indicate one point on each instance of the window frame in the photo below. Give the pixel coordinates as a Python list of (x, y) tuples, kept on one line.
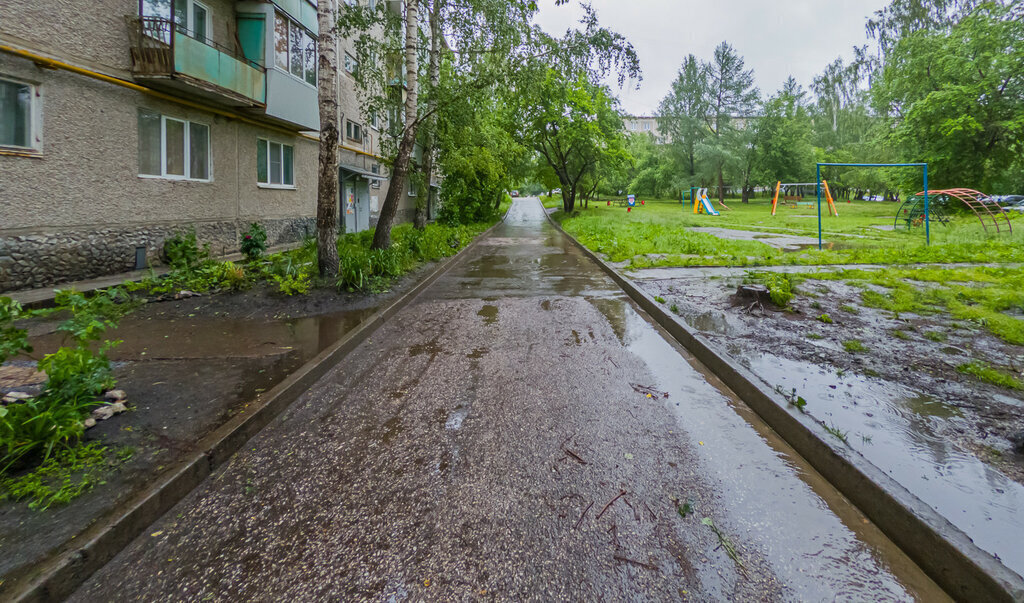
[(35, 118), (191, 16), (304, 34), (352, 126), (268, 184), (350, 64), (187, 141)]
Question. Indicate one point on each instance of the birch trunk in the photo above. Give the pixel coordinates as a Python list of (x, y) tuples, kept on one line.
[(327, 178), (400, 169)]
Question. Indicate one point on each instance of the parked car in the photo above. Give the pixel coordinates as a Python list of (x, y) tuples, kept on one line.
[(514, 194), (556, 191)]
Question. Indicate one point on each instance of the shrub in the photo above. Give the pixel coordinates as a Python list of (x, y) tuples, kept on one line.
[(76, 375), (182, 251), (13, 341), (254, 242), (37, 425)]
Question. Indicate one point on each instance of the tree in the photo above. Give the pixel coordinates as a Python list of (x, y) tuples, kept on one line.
[(730, 94), (391, 56), (955, 99), (783, 137), (573, 124), (327, 178), (682, 115)]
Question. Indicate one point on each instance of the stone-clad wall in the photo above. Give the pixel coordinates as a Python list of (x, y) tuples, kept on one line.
[(41, 260)]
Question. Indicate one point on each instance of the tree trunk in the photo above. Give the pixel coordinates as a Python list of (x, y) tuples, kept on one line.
[(746, 194), (327, 178), (400, 169), (721, 186), (420, 219)]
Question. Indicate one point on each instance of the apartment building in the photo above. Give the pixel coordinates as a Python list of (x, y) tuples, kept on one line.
[(644, 124), (125, 121)]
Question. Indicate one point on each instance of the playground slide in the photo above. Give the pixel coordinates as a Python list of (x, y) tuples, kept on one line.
[(708, 208)]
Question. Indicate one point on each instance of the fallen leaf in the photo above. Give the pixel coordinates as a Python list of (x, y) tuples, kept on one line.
[(426, 582), (629, 456), (701, 443), (157, 533)]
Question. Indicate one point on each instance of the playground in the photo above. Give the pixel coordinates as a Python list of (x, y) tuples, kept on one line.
[(665, 232)]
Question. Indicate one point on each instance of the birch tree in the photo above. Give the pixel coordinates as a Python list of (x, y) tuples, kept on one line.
[(327, 178)]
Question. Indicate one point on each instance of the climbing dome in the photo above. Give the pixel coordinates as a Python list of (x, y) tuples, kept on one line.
[(942, 202)]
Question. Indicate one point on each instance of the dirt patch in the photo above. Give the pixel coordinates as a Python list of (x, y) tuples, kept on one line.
[(888, 386), (188, 366)]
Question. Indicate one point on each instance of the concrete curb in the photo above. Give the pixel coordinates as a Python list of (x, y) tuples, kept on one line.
[(943, 551), (57, 577)]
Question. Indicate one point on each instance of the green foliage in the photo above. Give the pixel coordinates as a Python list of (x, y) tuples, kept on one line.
[(792, 398), (815, 336), (659, 299), (674, 309), (854, 346), (254, 242), (900, 334), (62, 477), (92, 315), (76, 375), (13, 341), (835, 431), (38, 426), (781, 286), (935, 336), (849, 309), (825, 318), (182, 250), (992, 375)]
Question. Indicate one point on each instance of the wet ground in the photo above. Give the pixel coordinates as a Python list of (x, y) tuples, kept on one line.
[(187, 367), (901, 402), (521, 431)]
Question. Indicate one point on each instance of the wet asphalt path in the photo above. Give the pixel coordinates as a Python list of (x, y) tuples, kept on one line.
[(495, 440)]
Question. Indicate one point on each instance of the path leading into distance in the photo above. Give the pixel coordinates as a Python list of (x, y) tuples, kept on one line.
[(495, 440)]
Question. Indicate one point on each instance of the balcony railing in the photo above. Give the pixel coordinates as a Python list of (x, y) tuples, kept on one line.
[(161, 47)]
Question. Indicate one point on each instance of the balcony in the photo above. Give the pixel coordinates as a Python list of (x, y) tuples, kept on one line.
[(165, 55)]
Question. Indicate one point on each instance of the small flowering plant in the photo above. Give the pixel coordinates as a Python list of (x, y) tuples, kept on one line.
[(254, 242)]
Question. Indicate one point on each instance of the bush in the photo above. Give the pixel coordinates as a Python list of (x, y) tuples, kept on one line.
[(76, 375), (182, 251), (13, 341), (37, 425), (254, 242)]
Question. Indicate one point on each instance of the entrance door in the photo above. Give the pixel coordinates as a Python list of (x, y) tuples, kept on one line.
[(362, 189), (348, 205)]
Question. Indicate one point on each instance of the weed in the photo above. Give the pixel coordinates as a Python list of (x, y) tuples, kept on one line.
[(781, 286), (13, 341), (659, 299), (723, 541), (899, 334), (674, 309), (935, 336), (835, 431), (62, 477), (182, 251), (825, 318), (854, 346), (814, 336), (816, 305), (989, 374), (792, 398), (849, 309), (685, 509)]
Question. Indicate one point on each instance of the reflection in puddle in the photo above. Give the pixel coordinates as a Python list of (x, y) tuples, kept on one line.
[(894, 428), (455, 418)]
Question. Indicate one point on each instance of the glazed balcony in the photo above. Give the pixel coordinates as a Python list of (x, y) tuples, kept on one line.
[(166, 55)]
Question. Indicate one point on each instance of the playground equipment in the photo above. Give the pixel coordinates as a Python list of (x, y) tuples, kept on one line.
[(912, 211), (702, 205), (927, 202), (783, 187)]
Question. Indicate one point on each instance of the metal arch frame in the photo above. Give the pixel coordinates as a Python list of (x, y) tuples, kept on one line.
[(972, 198), (927, 225)]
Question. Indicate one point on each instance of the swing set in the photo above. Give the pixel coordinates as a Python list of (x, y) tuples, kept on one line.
[(783, 187)]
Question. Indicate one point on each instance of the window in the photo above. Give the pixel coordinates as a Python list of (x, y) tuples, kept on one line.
[(193, 19), (17, 115), (353, 131), (351, 64), (275, 164), (173, 148), (413, 188), (374, 120), (647, 126), (294, 49), (375, 168)]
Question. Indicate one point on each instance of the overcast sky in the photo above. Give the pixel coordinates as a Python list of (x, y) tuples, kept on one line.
[(777, 38)]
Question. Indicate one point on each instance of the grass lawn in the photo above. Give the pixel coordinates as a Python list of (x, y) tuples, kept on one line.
[(658, 234)]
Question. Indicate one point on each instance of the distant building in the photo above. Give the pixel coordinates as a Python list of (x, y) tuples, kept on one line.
[(645, 124)]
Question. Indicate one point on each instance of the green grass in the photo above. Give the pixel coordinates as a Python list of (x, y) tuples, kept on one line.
[(814, 336), (849, 309), (854, 346), (64, 476), (825, 318), (835, 431), (657, 234), (659, 299), (936, 336), (900, 334), (989, 374), (983, 295)]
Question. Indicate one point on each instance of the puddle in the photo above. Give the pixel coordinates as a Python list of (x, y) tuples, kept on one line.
[(490, 314), (775, 498), (713, 322), (893, 427), (455, 418)]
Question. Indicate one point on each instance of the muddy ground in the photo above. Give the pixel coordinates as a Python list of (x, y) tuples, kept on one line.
[(187, 366), (977, 416)]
